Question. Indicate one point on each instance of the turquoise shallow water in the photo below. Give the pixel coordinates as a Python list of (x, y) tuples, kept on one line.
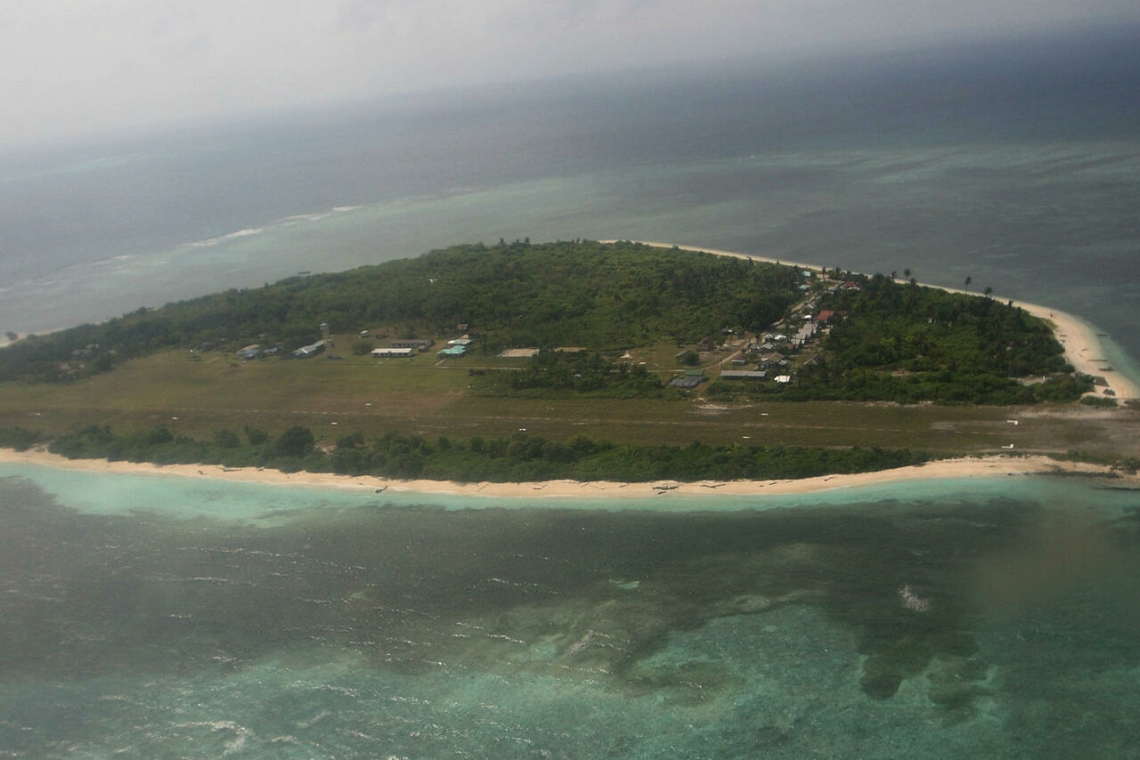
[(178, 497), (157, 617), (152, 617)]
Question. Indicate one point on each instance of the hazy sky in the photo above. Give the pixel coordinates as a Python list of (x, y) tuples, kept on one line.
[(70, 67)]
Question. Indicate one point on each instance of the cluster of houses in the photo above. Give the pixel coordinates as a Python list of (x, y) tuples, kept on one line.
[(408, 347), (255, 351), (769, 353), (399, 348)]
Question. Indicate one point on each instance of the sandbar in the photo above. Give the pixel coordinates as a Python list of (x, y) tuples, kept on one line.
[(992, 466)]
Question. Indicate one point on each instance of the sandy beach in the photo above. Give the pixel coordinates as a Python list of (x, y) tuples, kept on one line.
[(996, 466), (1082, 349), (1082, 346)]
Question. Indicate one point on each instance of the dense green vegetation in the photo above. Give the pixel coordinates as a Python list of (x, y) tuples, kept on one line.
[(514, 459), (19, 438), (902, 342), (676, 310), (603, 297), (908, 343), (553, 373), (886, 341)]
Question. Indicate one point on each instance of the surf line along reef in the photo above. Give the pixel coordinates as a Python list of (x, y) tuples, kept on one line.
[(580, 360)]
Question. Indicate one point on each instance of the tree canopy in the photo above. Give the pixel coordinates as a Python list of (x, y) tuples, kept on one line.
[(885, 341), (583, 293)]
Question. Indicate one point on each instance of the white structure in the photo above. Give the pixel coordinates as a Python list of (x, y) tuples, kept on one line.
[(393, 353), (304, 352)]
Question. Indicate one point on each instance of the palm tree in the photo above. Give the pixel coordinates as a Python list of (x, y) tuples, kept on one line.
[(969, 279)]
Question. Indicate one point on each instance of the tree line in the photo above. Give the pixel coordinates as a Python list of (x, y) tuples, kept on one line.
[(517, 458)]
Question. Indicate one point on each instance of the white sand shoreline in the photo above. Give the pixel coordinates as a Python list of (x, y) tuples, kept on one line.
[(993, 466), (1083, 349)]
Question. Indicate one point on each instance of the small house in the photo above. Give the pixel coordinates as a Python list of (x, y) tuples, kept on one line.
[(690, 379), (772, 360), (305, 352)]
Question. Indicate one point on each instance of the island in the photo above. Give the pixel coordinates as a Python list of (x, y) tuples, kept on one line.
[(566, 365)]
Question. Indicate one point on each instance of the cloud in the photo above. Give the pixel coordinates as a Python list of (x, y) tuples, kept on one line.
[(69, 66)]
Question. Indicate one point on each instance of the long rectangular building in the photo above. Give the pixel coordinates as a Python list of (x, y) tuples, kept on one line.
[(393, 353), (421, 344), (742, 374)]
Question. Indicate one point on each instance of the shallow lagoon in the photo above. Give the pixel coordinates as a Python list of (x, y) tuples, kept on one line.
[(150, 617), (167, 617)]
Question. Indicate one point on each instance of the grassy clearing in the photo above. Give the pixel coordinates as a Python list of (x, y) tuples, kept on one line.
[(198, 395)]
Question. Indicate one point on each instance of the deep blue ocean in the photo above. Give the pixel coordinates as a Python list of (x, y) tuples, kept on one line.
[(1017, 166), (155, 618)]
